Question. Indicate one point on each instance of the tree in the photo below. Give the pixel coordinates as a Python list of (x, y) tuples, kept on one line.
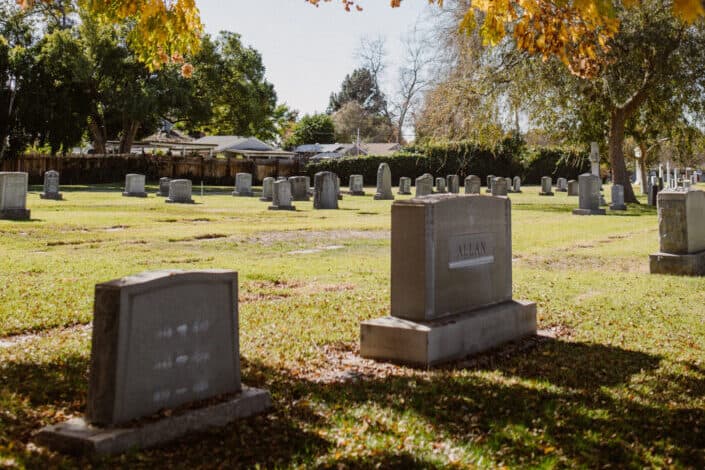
[(361, 87), (312, 129), (352, 119)]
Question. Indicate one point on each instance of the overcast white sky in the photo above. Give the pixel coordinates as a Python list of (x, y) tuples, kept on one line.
[(307, 50)]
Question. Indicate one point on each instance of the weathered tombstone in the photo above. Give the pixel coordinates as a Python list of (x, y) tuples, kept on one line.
[(489, 183), (180, 192), (424, 185), (384, 183), (161, 340), (589, 196), (357, 186), (516, 185), (453, 183), (243, 184), (267, 189), (653, 194), (13, 195), (51, 186), (404, 185), (686, 184), (134, 185), (299, 188), (473, 184), (681, 233), (561, 185), (546, 186), (508, 182), (573, 188), (618, 198), (281, 197), (454, 296), (499, 187), (163, 187), (325, 193), (440, 185), (282, 178)]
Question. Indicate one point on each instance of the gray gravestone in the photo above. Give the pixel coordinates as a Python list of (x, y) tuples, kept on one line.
[(499, 187), (357, 185), (384, 183), (267, 189), (618, 198), (160, 340), (325, 192), (51, 186), (134, 185), (546, 186), (180, 192), (473, 184), (516, 185), (440, 185), (454, 296), (453, 184), (490, 178), (424, 185), (508, 181), (404, 185), (281, 200), (13, 195), (589, 196), (681, 233), (573, 188), (299, 188), (243, 184), (561, 185), (164, 187)]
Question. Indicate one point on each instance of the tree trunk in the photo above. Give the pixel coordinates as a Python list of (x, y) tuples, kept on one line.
[(620, 175), (99, 135), (641, 168), (128, 136)]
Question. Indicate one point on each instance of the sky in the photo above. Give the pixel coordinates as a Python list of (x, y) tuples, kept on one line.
[(307, 51)]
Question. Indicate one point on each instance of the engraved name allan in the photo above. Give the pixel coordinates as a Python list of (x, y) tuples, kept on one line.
[(470, 250)]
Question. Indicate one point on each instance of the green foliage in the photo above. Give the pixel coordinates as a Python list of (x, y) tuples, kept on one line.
[(553, 162), (311, 129), (361, 88)]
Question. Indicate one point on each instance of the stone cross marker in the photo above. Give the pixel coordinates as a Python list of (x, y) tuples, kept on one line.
[(618, 198), (516, 185), (180, 192), (499, 187), (299, 188), (357, 185), (325, 193), (160, 340), (384, 183), (589, 196), (134, 185), (267, 189), (473, 184), (573, 188), (163, 186), (281, 200), (13, 195), (453, 182), (681, 233), (440, 185), (51, 186), (454, 296), (424, 185), (243, 184), (404, 185), (546, 186)]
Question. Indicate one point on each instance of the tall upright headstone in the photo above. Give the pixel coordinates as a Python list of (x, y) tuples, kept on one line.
[(546, 186), (134, 185), (453, 183), (384, 183), (325, 193), (267, 189), (163, 186), (440, 185), (13, 195), (161, 340), (357, 185), (180, 192), (473, 184), (573, 188), (499, 187), (618, 198), (243, 185), (490, 178), (281, 197), (404, 185), (589, 196), (51, 186), (681, 233), (516, 185), (454, 296), (509, 186), (424, 185), (299, 188), (654, 188)]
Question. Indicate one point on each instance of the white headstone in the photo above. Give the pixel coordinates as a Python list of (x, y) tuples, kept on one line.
[(357, 185), (180, 192), (267, 188), (243, 184), (13, 196), (384, 183), (134, 185)]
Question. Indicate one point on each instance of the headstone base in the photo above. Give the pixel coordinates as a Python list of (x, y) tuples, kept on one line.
[(384, 197), (265, 199), (404, 193), (356, 193), (160, 194), (618, 207), (282, 208), (75, 436), (546, 194), (681, 265), (301, 198), (14, 214), (589, 212), (428, 343), (562, 190), (171, 201), (134, 194), (52, 196), (243, 193)]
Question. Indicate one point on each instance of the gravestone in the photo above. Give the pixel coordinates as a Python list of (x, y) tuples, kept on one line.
[(546, 186), (325, 193), (267, 189), (161, 340), (508, 182), (51, 186), (163, 190), (440, 185), (243, 185), (180, 192), (134, 185), (595, 160), (589, 196), (499, 187), (13, 195), (573, 188), (453, 183), (561, 185), (453, 297), (424, 185), (384, 183), (489, 183), (281, 197), (681, 233), (404, 185), (653, 192), (299, 188), (357, 186), (686, 184), (618, 198), (337, 188), (516, 185), (473, 184)]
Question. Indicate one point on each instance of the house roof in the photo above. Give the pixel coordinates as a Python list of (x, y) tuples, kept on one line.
[(221, 143), (382, 148), (170, 136)]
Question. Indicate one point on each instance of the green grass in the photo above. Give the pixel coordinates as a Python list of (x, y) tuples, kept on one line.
[(621, 384)]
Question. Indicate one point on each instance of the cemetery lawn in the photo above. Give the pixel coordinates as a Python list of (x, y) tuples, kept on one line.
[(616, 378)]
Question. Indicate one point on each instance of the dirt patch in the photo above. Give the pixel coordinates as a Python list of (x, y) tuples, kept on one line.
[(316, 250), (561, 262), (17, 340), (116, 228), (264, 290), (205, 236), (75, 242), (270, 238)]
